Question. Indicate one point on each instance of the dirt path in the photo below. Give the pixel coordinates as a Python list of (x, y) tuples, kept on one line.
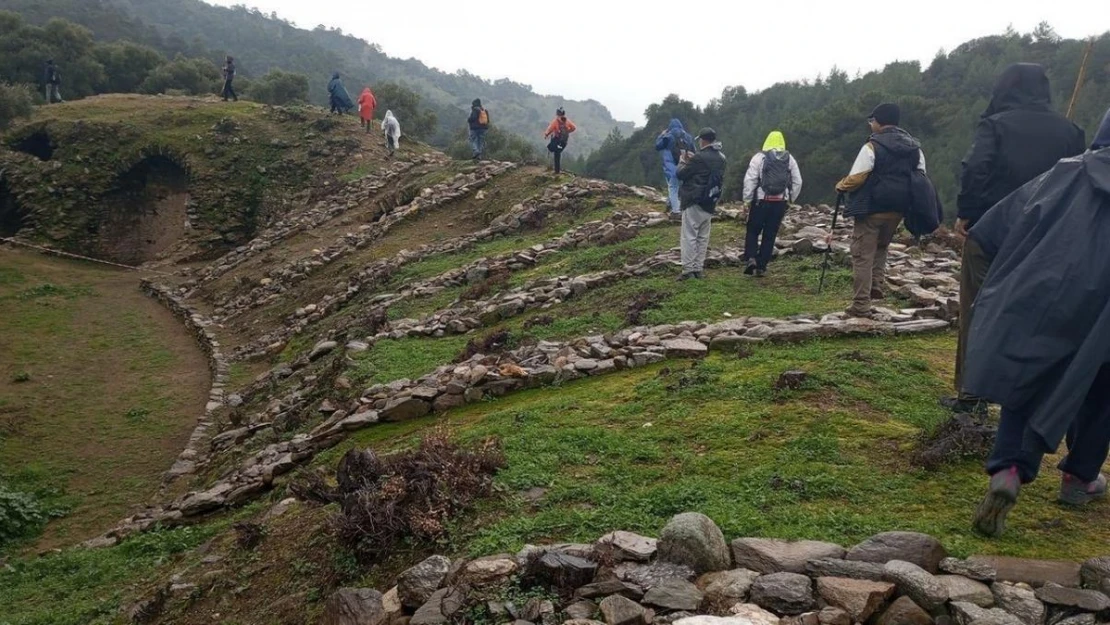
[(99, 389)]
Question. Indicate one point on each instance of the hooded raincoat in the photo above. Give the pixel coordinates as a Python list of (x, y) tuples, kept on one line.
[(337, 95), (366, 105), (1019, 138), (1041, 328), (392, 129), (669, 144)]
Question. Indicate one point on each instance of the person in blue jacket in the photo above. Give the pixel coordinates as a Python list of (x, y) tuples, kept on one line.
[(672, 142), (338, 97)]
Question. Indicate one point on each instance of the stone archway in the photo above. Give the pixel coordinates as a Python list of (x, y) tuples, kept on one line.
[(37, 144), (12, 218), (147, 213)]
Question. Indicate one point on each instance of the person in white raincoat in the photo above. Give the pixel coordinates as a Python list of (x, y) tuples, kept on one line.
[(392, 129)]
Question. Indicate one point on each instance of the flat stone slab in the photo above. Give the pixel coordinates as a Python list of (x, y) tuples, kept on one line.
[(774, 556), (685, 348), (1036, 573)]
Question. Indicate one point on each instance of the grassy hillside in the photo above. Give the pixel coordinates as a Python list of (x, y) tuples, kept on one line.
[(484, 300)]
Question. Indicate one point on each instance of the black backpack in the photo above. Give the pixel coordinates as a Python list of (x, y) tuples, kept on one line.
[(679, 144), (711, 192), (775, 178), (925, 212)]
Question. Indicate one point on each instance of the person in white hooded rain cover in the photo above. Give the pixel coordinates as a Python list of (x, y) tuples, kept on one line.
[(392, 129)]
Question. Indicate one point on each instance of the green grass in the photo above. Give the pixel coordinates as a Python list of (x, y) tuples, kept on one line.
[(406, 358), (826, 462)]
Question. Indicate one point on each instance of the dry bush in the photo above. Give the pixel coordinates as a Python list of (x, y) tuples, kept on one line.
[(410, 494)]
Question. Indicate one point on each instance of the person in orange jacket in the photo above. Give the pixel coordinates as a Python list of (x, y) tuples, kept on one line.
[(366, 105), (559, 133)]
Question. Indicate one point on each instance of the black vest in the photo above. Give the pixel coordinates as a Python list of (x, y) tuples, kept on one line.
[(888, 186)]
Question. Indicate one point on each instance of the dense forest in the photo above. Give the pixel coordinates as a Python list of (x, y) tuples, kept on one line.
[(824, 119), (262, 43)]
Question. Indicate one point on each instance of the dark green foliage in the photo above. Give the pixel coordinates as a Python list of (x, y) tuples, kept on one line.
[(126, 65), (278, 88), (185, 76), (416, 121), (21, 515), (16, 102), (825, 120)]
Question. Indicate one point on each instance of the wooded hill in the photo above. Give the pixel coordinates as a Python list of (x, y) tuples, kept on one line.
[(825, 119), (263, 42)]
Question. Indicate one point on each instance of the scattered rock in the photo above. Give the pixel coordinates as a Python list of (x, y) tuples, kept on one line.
[(1093, 571), (753, 614), (646, 576), (354, 606), (488, 571), (562, 570), (694, 540), (441, 606), (859, 598), (685, 348), (1086, 600), (626, 546), (724, 589), (610, 587), (322, 348), (920, 549), (791, 380), (775, 556), (618, 610), (674, 594), (905, 612), (918, 584), (845, 568), (417, 584), (971, 614), (833, 616), (784, 593), (967, 590), (1021, 602), (405, 409), (977, 571), (581, 610)]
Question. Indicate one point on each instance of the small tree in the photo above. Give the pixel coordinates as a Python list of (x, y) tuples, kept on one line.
[(16, 102), (405, 104), (126, 66), (278, 87), (191, 76)]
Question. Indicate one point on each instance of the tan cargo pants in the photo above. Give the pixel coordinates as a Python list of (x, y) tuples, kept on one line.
[(871, 237)]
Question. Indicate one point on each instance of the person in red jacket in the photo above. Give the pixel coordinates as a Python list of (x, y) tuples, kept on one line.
[(366, 105), (559, 133)]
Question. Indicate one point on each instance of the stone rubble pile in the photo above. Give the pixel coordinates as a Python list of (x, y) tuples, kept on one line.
[(690, 575), (281, 279), (351, 196)]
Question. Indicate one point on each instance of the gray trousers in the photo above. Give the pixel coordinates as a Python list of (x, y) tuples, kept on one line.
[(696, 223)]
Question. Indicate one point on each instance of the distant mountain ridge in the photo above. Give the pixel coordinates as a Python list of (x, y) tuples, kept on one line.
[(261, 42)]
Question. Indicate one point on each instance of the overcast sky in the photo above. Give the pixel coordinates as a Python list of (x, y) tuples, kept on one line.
[(629, 54)]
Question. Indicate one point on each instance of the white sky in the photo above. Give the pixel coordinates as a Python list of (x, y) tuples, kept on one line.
[(629, 54)]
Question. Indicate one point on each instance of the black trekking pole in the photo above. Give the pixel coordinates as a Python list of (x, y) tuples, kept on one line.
[(828, 247)]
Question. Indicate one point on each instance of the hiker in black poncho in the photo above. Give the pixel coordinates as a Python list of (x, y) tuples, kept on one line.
[(1040, 337)]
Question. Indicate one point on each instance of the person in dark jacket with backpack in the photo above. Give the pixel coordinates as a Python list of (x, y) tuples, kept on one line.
[(53, 82), (773, 181), (702, 176), (1019, 138), (479, 124), (672, 143), (229, 77), (559, 134), (879, 195), (338, 97), (1039, 344)]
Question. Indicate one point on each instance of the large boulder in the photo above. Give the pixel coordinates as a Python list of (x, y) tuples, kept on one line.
[(765, 555), (784, 593), (354, 606), (724, 589), (859, 598), (918, 584), (416, 585), (694, 540), (920, 549)]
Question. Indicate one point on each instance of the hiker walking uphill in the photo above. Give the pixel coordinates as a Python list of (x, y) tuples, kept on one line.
[(702, 176), (366, 105), (672, 143), (773, 181), (229, 77), (479, 125), (338, 97), (52, 81), (392, 129), (1040, 340), (1019, 138), (559, 132), (880, 192)]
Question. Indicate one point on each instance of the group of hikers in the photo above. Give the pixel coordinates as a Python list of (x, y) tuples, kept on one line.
[(1034, 218)]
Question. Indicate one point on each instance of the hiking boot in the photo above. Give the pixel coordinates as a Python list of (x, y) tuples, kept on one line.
[(964, 405), (760, 272), (700, 275), (674, 217), (750, 268), (688, 276), (877, 294), (862, 314), (1075, 492), (990, 517)]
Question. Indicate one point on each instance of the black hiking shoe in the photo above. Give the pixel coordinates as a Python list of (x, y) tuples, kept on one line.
[(972, 406), (760, 272), (688, 276), (750, 268), (990, 517)]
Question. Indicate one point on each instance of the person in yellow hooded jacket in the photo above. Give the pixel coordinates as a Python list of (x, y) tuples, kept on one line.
[(773, 181)]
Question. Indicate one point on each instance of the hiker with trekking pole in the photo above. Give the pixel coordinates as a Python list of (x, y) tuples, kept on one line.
[(829, 241), (772, 182)]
